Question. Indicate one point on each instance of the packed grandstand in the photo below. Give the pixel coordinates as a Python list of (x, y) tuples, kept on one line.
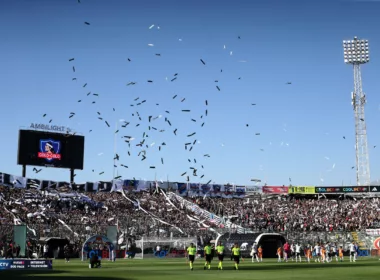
[(157, 213)]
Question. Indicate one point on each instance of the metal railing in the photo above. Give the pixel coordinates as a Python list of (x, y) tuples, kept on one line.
[(79, 232)]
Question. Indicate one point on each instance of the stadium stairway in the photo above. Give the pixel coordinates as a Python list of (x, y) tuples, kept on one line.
[(360, 240), (206, 215)]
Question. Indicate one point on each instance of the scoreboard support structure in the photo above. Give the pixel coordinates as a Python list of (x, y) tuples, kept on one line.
[(72, 175), (24, 170)]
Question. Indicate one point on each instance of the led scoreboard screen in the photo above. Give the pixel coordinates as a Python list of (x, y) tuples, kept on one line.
[(40, 148)]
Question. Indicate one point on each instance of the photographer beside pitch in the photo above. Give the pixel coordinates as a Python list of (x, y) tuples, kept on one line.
[(95, 262)]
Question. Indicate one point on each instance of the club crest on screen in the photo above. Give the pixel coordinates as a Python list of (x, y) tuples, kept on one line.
[(50, 150)]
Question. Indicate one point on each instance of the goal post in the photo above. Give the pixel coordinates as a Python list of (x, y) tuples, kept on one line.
[(162, 248)]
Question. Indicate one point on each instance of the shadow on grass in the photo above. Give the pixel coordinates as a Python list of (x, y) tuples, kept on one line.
[(50, 274), (288, 266)]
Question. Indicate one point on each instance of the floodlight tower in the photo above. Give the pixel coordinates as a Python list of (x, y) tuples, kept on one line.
[(356, 52)]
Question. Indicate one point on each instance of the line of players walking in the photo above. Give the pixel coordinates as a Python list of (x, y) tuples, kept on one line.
[(324, 253)]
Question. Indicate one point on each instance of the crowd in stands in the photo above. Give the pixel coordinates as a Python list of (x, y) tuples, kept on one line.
[(61, 212), (77, 216), (292, 214)]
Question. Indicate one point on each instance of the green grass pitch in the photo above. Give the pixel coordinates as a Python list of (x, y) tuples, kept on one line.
[(178, 269)]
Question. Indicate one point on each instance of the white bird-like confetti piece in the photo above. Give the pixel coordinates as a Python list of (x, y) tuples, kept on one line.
[(150, 27), (150, 45)]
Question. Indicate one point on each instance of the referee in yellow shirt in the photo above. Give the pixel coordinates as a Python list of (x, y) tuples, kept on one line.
[(220, 252), (191, 251), (236, 255), (208, 256)]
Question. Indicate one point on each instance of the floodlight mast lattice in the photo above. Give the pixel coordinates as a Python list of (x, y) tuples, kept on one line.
[(356, 52)]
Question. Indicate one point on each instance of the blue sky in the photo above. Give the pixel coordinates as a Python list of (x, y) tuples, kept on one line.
[(301, 125)]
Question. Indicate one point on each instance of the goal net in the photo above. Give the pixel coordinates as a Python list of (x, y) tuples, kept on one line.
[(162, 248)]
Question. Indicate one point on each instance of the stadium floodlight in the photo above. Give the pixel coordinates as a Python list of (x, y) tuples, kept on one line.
[(356, 52)]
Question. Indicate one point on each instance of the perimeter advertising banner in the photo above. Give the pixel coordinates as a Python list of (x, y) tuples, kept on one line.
[(341, 189), (239, 192), (374, 188), (26, 264), (302, 190), (376, 243), (275, 190), (253, 189), (373, 232)]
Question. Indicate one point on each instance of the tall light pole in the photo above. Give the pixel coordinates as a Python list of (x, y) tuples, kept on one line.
[(356, 52), (114, 152)]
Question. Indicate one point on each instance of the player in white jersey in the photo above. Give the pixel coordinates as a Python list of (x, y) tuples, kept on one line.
[(292, 252), (327, 247), (356, 250), (317, 250), (254, 252), (298, 252), (352, 252), (334, 252)]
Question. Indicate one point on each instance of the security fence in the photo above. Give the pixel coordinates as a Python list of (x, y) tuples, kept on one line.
[(79, 232)]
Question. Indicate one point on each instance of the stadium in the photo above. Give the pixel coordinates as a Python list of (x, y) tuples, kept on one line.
[(63, 225), (215, 93)]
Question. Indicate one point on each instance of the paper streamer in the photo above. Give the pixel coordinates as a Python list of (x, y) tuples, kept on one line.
[(65, 225), (150, 214)]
